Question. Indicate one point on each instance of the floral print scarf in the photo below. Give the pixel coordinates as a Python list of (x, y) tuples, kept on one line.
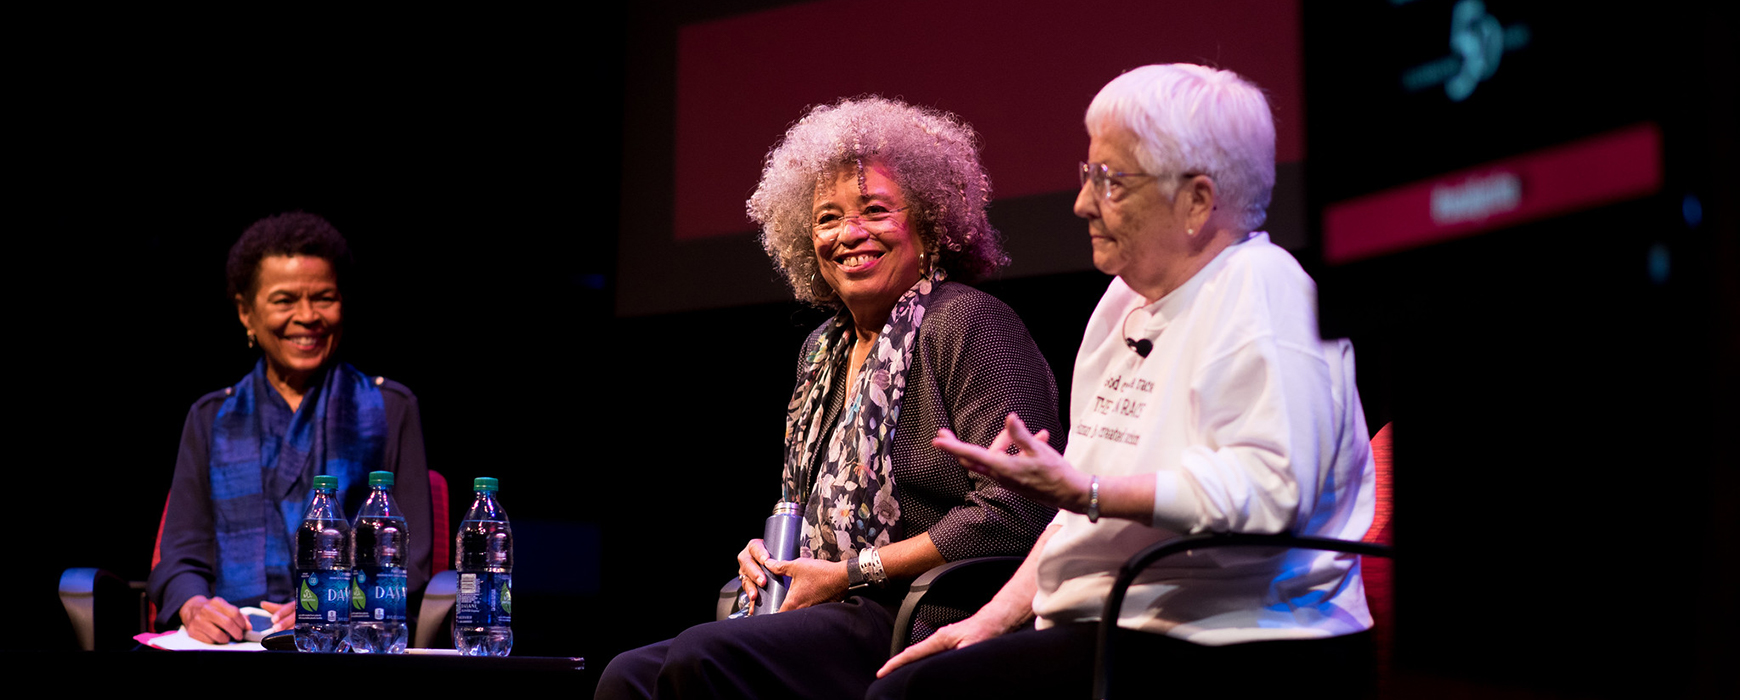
[(852, 504)]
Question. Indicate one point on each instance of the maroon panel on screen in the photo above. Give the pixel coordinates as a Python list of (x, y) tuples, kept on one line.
[(1611, 167), (1021, 73)]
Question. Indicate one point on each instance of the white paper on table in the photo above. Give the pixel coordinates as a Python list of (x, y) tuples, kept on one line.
[(179, 641)]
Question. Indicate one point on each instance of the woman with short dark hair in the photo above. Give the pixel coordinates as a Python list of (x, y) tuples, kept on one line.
[(250, 452)]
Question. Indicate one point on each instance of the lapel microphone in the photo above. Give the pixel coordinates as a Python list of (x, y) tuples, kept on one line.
[(1143, 346)]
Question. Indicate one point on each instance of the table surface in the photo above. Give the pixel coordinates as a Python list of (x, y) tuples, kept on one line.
[(279, 670)]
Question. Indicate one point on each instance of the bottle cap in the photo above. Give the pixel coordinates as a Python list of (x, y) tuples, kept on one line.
[(485, 483), (380, 478), (326, 481)]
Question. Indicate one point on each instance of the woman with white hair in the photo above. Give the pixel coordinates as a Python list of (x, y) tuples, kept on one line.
[(876, 209), (1203, 401)]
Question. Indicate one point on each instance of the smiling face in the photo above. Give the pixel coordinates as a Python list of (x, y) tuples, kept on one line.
[(296, 313), (869, 264)]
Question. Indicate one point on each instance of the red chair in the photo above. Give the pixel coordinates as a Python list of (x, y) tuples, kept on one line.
[(443, 588), (1379, 572), (438, 523)]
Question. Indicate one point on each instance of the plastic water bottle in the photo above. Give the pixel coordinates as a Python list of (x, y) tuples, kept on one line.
[(377, 584), (484, 559), (323, 572)]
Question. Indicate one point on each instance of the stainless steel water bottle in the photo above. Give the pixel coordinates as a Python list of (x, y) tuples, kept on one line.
[(780, 536)]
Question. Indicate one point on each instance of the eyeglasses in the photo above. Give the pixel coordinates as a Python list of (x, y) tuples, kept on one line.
[(875, 219), (1103, 178)]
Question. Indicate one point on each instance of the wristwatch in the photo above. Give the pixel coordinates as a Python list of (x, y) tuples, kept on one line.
[(855, 576)]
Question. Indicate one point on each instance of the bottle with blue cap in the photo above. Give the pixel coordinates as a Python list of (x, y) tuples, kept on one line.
[(377, 584), (484, 559), (322, 573)]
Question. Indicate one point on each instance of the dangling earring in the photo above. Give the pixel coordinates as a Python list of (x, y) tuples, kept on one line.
[(251, 340)]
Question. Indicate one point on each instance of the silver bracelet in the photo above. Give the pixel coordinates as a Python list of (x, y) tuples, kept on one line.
[(870, 562), (1093, 511)]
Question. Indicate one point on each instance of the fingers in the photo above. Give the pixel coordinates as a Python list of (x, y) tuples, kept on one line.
[(750, 593), (1014, 427), (283, 614), (225, 617), (971, 456), (1014, 434), (813, 581), (202, 631), (190, 621), (758, 550), (213, 621), (929, 646), (946, 441), (749, 563), (1001, 443)]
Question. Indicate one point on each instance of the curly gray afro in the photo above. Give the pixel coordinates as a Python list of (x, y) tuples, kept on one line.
[(933, 156)]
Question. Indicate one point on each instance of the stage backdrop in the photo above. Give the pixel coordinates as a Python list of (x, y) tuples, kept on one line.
[(1021, 74)]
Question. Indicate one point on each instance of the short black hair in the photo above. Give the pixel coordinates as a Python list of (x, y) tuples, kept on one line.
[(291, 233)]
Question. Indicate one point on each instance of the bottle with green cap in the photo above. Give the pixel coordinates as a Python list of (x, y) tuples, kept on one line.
[(323, 572), (484, 559), (377, 583)]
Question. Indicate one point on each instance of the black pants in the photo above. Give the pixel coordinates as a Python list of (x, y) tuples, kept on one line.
[(827, 652), (1058, 663)]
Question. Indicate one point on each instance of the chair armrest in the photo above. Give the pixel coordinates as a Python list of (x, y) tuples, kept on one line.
[(727, 598), (966, 584), (1140, 561), (86, 591), (78, 591), (438, 599)]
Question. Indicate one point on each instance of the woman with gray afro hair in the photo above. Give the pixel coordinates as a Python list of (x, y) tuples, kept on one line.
[(932, 155), (877, 209)]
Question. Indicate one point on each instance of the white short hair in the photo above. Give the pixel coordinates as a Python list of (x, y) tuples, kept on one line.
[(1192, 119)]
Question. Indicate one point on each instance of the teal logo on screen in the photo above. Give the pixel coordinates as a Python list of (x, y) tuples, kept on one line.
[(1477, 43)]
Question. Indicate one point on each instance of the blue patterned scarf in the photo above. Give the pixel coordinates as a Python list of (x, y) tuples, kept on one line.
[(260, 478), (852, 504)]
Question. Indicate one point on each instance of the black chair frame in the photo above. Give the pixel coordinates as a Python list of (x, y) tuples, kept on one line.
[(1138, 563)]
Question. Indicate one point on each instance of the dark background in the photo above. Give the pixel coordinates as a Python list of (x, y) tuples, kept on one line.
[(1565, 418)]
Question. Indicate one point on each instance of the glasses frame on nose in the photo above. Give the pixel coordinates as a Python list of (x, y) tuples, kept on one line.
[(875, 222), (1102, 176)]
